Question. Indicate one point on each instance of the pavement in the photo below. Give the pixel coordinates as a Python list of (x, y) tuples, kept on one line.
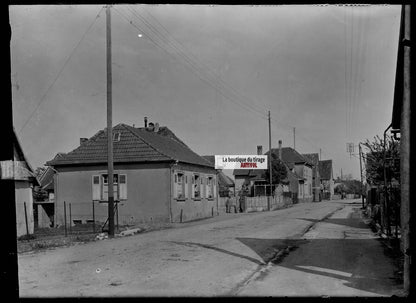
[(310, 249)]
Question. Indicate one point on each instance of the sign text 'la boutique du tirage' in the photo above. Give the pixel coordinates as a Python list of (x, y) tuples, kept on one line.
[(240, 162)]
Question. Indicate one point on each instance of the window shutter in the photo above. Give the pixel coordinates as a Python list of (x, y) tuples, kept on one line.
[(193, 187), (122, 187), (214, 181), (186, 187), (96, 188), (207, 187), (175, 186)]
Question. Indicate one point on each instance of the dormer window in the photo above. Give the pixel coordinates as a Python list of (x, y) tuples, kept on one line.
[(116, 137)]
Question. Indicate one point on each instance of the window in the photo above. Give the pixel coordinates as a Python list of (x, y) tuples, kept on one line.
[(116, 137), (210, 188), (100, 187), (196, 187), (179, 186)]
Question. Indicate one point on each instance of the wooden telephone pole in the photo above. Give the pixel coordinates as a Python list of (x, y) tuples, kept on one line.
[(407, 159), (109, 128)]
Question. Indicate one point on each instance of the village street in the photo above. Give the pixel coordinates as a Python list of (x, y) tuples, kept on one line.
[(310, 249)]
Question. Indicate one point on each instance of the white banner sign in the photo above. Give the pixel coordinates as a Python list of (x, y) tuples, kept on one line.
[(240, 162)]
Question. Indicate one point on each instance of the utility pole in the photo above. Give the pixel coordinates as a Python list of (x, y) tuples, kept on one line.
[(294, 138), (270, 164), (109, 128), (361, 175), (320, 154), (407, 161)]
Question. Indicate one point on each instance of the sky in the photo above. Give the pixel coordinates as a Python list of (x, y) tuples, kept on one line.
[(210, 73)]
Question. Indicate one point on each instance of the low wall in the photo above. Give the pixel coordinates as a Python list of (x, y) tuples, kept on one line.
[(254, 204)]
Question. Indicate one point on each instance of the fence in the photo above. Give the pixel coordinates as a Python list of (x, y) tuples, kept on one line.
[(84, 217), (383, 207)]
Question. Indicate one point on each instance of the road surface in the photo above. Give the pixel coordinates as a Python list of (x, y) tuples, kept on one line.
[(311, 249)]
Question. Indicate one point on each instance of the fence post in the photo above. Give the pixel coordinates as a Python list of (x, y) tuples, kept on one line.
[(27, 226), (117, 216), (93, 217), (65, 218), (70, 219)]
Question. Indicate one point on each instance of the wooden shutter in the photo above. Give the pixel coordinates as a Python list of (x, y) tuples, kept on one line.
[(186, 187), (175, 185), (193, 187), (96, 188), (122, 185), (214, 181)]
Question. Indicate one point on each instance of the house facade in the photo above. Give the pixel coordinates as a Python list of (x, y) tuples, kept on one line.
[(316, 179), (298, 180), (157, 178), (327, 179), (24, 178)]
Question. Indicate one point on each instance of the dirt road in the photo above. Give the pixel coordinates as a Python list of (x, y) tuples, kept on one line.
[(258, 254)]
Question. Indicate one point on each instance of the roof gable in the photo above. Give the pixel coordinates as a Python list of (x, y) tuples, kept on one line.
[(325, 169)]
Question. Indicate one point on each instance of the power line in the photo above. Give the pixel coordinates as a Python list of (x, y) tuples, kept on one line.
[(203, 65), (60, 71), (191, 66), (189, 57)]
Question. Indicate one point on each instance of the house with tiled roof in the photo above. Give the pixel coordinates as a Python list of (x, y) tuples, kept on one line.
[(316, 179), (225, 183), (327, 179), (299, 174), (157, 177), (20, 170)]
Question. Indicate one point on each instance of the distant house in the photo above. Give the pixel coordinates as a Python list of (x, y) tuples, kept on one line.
[(316, 179), (225, 183), (24, 178), (45, 209), (157, 177), (298, 180), (327, 179)]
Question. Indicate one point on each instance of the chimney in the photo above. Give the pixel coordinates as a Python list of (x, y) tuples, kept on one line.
[(259, 150), (82, 141), (156, 127), (280, 150), (151, 126), (145, 122)]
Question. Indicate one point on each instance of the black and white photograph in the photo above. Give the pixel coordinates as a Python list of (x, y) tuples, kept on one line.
[(211, 150)]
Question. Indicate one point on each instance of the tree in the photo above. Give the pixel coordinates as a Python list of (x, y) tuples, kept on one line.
[(376, 161), (279, 171)]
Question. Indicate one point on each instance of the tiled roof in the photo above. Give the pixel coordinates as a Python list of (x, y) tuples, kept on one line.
[(135, 145), (290, 156), (313, 158), (325, 169), (46, 179), (224, 180)]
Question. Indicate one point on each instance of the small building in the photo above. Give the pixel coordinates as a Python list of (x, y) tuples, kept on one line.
[(327, 179), (24, 178), (316, 179), (45, 208), (157, 177)]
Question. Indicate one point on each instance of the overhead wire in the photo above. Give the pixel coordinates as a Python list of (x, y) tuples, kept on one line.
[(192, 64), (192, 56), (60, 71)]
